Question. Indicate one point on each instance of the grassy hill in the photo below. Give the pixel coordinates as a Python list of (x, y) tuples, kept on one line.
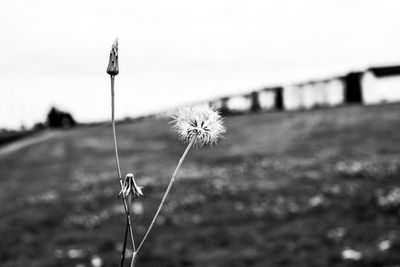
[(282, 189)]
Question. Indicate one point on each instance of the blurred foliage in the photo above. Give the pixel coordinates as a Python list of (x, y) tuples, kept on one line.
[(59, 119)]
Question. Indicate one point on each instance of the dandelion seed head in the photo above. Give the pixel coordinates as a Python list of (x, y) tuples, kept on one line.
[(201, 122)]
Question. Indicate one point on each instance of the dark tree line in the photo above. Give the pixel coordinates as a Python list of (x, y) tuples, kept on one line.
[(59, 119)]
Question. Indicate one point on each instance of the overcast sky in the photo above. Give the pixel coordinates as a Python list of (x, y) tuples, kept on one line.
[(177, 51)]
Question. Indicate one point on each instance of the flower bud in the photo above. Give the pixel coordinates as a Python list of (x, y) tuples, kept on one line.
[(113, 68), (130, 187)]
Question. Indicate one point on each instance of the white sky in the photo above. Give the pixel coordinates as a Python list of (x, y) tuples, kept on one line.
[(178, 51)]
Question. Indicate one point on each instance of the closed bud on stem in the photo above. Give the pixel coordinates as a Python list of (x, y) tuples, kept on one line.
[(113, 68)]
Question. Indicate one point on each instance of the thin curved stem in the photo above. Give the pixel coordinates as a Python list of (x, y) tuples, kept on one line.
[(133, 261), (113, 129), (121, 264), (166, 193), (126, 207), (130, 223)]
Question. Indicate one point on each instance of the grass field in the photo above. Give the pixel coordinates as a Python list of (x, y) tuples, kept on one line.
[(282, 189)]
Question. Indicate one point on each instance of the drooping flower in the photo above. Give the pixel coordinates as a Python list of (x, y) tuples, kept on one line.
[(113, 68), (129, 186), (201, 122)]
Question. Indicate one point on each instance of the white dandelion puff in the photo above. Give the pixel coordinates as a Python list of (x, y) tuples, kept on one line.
[(201, 122)]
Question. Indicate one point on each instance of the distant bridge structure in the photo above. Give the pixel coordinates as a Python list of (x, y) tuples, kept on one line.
[(373, 85)]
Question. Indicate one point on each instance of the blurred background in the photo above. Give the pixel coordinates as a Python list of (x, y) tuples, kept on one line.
[(307, 174)]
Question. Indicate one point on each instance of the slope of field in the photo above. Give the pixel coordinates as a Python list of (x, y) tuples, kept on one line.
[(315, 188)]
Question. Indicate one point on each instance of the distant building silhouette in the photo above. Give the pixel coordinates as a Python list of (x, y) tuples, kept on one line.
[(224, 109), (385, 71), (255, 102), (353, 88), (279, 103)]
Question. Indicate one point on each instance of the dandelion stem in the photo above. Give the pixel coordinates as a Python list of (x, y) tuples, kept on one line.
[(113, 128), (124, 245), (126, 207), (166, 192), (130, 223), (133, 262)]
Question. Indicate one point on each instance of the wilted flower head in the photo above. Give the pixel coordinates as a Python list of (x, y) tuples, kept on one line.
[(113, 68), (129, 186), (201, 122)]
